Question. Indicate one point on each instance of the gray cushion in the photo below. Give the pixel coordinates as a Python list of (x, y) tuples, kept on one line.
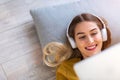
[(51, 21)]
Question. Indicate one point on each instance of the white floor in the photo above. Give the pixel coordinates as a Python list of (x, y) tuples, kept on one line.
[(20, 52)]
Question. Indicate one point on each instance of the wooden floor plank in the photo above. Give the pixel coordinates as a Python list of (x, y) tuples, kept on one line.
[(16, 12), (4, 1), (2, 74), (28, 67), (18, 41)]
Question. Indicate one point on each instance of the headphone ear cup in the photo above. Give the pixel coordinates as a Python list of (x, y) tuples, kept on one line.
[(104, 34), (72, 42)]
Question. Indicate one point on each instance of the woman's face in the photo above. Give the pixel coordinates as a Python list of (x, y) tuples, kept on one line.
[(88, 38)]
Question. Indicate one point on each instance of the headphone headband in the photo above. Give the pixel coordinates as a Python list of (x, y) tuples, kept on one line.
[(100, 20)]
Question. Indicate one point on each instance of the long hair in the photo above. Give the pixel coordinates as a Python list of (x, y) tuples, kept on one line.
[(55, 52)]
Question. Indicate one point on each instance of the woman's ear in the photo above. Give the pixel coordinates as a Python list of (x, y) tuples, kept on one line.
[(104, 30)]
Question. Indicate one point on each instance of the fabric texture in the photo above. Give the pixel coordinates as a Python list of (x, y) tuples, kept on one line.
[(65, 71)]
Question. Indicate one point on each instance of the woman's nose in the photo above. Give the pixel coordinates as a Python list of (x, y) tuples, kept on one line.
[(90, 39)]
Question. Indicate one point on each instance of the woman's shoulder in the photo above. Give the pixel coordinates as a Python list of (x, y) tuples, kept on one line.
[(70, 61), (66, 69), (68, 64)]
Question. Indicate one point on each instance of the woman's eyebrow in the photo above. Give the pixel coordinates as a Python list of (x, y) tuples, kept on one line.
[(93, 29), (80, 33), (84, 33)]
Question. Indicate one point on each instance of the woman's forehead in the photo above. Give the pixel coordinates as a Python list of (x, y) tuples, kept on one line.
[(86, 26)]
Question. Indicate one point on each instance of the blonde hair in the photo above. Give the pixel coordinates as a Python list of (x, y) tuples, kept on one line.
[(55, 52)]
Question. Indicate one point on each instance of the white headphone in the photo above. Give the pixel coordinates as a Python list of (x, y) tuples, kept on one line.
[(103, 32)]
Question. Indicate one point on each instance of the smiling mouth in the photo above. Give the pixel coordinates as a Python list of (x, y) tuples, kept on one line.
[(92, 47)]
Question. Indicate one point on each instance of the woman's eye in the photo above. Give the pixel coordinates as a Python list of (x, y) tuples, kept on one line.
[(94, 33), (82, 37)]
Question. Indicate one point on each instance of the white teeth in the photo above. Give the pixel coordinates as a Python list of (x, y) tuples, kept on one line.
[(91, 47)]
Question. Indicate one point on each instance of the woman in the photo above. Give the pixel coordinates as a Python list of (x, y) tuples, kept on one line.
[(88, 35)]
